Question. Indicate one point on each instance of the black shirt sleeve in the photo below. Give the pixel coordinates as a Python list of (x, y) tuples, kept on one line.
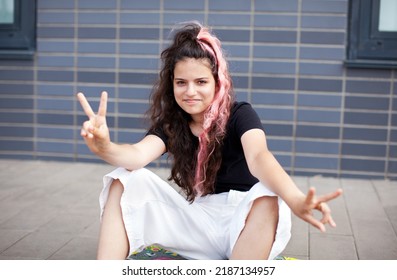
[(159, 133), (244, 118)]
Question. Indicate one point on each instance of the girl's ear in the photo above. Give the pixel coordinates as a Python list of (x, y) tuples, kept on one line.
[(217, 85)]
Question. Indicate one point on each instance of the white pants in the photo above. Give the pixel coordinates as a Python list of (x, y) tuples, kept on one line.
[(154, 213)]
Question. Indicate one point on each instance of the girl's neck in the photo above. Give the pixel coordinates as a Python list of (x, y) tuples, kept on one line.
[(196, 128)]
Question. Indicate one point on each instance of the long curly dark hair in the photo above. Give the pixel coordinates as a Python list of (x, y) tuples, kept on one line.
[(196, 161)]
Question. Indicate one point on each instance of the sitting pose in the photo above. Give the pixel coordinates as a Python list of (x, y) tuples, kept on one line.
[(237, 198)]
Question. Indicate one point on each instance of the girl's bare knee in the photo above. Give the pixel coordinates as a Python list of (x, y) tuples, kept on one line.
[(116, 185), (256, 239), (116, 190), (266, 205), (264, 214), (113, 239)]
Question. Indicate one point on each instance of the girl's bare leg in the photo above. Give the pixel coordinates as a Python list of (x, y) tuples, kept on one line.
[(113, 240), (257, 237)]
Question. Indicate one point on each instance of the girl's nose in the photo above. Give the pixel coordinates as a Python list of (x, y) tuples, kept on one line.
[(191, 90)]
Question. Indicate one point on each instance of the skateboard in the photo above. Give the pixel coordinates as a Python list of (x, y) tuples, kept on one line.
[(156, 252)]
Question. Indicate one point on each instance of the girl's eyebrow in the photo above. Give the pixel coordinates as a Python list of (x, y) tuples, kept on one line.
[(201, 78)]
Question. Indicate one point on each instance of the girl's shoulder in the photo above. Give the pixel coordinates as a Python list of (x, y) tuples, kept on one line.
[(243, 118), (239, 104), (242, 109)]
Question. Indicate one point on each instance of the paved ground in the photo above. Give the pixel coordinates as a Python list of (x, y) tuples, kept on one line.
[(49, 210)]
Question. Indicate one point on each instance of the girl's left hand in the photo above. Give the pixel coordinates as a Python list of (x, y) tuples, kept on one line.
[(304, 210)]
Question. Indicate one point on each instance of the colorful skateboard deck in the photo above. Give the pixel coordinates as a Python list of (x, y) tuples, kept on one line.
[(155, 252), (284, 258)]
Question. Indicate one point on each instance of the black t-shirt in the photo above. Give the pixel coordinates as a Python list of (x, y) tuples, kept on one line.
[(233, 173)]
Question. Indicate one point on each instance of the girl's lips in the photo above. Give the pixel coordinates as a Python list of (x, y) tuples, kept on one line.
[(191, 101)]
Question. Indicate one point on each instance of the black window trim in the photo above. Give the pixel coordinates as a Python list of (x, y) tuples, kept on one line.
[(367, 47), (18, 40)]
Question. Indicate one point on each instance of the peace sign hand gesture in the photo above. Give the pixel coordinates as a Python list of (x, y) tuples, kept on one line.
[(95, 131), (304, 209)]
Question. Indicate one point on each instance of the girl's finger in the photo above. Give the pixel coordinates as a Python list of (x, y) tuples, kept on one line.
[(83, 133), (330, 196), (88, 127), (327, 217), (88, 130), (331, 221), (85, 105), (103, 104), (310, 196), (86, 134), (311, 220)]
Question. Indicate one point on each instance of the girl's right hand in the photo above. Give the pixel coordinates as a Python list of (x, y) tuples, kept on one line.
[(95, 131)]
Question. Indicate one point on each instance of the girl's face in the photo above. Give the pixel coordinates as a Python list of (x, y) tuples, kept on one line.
[(194, 86)]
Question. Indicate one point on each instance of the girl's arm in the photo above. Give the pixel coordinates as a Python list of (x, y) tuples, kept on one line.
[(264, 166), (134, 156)]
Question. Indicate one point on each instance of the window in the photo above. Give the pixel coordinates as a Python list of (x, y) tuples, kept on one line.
[(372, 34), (17, 29)]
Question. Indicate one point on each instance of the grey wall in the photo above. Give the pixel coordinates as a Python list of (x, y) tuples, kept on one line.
[(286, 58)]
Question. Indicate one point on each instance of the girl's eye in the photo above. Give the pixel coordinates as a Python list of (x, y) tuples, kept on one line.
[(180, 83), (202, 82)]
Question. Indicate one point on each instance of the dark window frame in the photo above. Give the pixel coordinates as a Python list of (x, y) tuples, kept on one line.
[(18, 40), (367, 46)]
